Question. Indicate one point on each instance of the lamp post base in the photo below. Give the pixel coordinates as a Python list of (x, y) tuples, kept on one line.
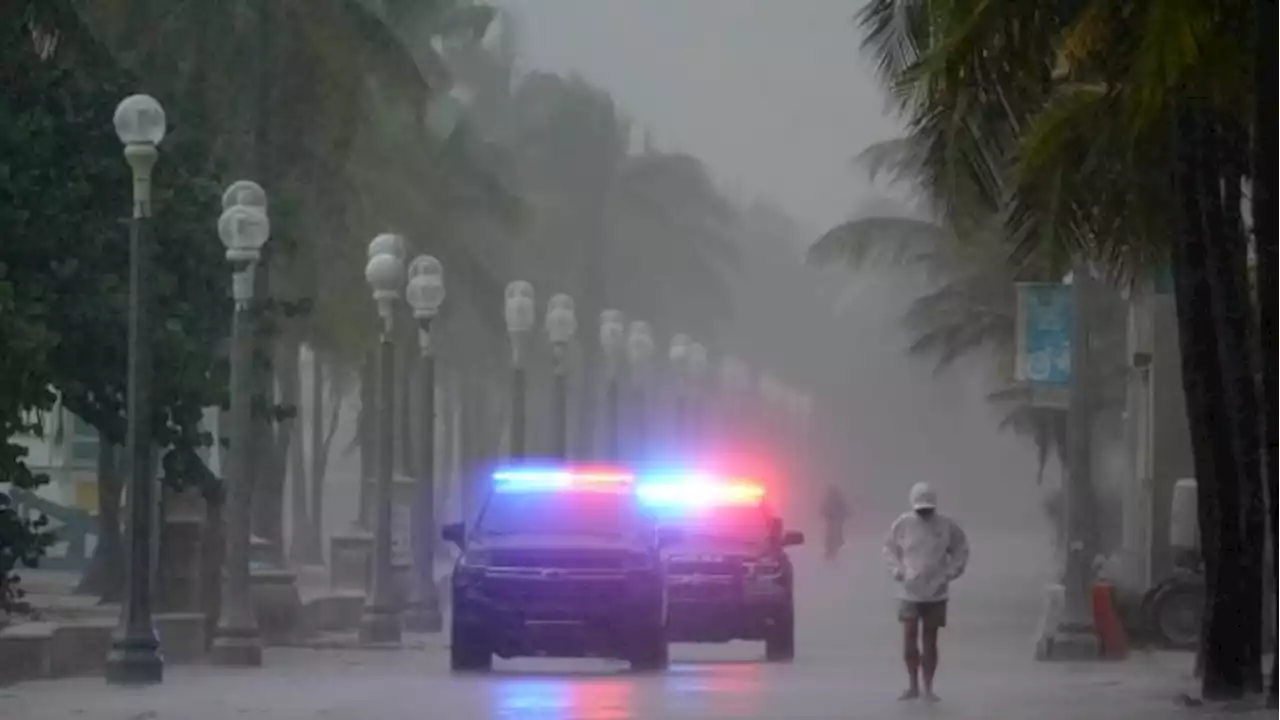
[(135, 661), (1061, 637), (380, 625), (236, 647)]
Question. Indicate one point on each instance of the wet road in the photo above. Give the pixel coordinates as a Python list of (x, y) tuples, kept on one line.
[(847, 669)]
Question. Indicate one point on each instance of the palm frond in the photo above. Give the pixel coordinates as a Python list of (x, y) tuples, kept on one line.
[(1045, 427), (880, 240)]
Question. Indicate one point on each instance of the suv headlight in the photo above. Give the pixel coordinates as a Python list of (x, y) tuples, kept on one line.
[(474, 561)]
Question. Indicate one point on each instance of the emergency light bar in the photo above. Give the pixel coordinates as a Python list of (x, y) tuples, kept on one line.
[(561, 479), (699, 491)]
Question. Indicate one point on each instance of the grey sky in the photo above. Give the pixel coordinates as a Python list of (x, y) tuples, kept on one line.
[(774, 94)]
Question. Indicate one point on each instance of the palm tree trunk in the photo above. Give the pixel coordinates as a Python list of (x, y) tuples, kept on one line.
[(262, 471), (1262, 202), (105, 573), (299, 522), (365, 422), (1233, 309), (288, 383), (314, 545), (1218, 491)]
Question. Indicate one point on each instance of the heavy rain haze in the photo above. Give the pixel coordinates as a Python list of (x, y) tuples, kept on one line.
[(612, 359), (778, 99)]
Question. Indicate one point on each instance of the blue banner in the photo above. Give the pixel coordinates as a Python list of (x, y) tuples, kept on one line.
[(1045, 316)]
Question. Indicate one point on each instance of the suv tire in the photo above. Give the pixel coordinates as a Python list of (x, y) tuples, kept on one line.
[(780, 639), (468, 651), (650, 652)]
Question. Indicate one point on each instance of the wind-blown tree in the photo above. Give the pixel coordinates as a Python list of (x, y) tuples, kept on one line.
[(972, 308), (1081, 126), (64, 205), (971, 311), (307, 99), (24, 395), (644, 231)]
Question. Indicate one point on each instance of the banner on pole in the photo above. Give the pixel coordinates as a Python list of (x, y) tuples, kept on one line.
[(1043, 339)]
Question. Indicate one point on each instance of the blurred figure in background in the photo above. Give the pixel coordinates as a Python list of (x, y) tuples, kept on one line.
[(835, 514), (926, 551)]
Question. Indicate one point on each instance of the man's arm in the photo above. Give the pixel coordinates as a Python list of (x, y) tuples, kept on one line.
[(957, 552), (893, 552)]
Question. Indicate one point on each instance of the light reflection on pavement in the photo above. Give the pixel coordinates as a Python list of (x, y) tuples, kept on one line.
[(581, 690)]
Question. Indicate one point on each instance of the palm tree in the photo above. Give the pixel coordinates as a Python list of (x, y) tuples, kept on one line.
[(1071, 131), (972, 308), (1262, 201)]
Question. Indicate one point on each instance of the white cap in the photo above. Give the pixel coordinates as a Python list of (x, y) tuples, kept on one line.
[(923, 497)]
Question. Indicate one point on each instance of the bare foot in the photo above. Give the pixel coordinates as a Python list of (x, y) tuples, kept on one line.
[(909, 694), (930, 696)]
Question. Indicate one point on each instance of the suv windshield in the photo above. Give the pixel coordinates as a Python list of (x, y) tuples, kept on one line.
[(560, 513), (733, 524)]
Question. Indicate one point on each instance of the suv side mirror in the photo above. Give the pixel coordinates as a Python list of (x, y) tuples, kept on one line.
[(455, 533), (792, 538)]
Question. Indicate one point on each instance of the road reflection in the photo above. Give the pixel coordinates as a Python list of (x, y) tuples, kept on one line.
[(715, 690), (711, 690), (569, 698)]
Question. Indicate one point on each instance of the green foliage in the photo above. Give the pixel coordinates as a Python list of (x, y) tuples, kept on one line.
[(24, 394), (68, 244), (64, 203)]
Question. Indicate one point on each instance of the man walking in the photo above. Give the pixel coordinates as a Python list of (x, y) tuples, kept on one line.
[(926, 551)]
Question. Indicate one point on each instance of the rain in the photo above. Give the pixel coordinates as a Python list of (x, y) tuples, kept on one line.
[(321, 321)]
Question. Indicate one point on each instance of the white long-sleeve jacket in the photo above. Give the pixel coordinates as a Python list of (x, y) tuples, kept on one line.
[(925, 555)]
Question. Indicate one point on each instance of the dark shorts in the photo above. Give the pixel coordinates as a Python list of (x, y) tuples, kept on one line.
[(929, 614)]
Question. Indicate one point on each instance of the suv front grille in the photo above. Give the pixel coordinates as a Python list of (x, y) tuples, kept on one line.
[(702, 567), (704, 592), (566, 560), (534, 593)]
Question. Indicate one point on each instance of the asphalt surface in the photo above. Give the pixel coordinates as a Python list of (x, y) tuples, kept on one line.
[(847, 668)]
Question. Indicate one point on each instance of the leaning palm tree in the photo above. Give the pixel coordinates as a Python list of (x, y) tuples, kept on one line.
[(971, 309)]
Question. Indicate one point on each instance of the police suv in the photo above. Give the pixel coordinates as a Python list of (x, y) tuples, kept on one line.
[(561, 562), (728, 574)]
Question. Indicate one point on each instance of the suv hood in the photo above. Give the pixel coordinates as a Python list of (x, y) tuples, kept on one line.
[(555, 542)]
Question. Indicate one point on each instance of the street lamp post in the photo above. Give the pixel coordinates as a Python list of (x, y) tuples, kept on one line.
[(640, 349), (1074, 637), (678, 354), (385, 272), (426, 294), (384, 244), (520, 315), (561, 325), (134, 658), (243, 228), (613, 340)]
